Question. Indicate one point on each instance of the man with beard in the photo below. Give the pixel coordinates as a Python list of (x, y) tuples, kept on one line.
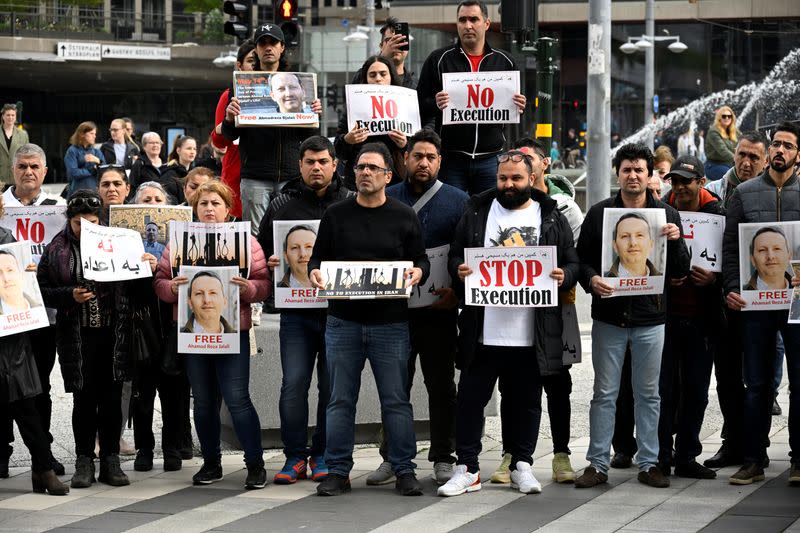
[(774, 195), (509, 344)]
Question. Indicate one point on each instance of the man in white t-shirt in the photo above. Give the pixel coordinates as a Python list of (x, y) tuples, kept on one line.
[(509, 344), (29, 168)]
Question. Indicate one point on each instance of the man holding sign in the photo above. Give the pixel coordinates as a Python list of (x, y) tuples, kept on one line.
[(469, 159), (511, 344)]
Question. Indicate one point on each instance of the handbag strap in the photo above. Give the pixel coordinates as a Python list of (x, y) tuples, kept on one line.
[(425, 198)]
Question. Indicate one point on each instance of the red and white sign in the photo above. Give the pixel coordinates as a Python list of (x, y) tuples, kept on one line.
[(481, 97), (21, 306), (382, 108), (513, 276), (37, 224)]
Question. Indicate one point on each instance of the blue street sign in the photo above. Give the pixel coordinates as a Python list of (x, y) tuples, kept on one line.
[(655, 103)]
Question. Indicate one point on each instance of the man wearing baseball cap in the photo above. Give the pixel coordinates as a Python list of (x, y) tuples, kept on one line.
[(694, 326)]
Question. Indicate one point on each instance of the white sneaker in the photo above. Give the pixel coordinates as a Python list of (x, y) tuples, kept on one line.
[(461, 482), (523, 479)]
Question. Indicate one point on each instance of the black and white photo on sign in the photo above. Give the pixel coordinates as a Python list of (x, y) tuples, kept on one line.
[(294, 242), (151, 221), (481, 97), (276, 99), (208, 311), (21, 305), (634, 256), (513, 276), (765, 271), (702, 233), (439, 278), (112, 254), (382, 108), (364, 279), (210, 244), (37, 224), (794, 308)]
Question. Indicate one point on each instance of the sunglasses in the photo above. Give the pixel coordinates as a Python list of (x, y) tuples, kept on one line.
[(372, 168), (109, 165), (726, 116), (85, 201), (514, 157), (678, 180)]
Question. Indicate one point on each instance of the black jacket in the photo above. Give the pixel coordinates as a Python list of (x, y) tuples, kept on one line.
[(172, 179), (471, 139), (131, 153), (627, 311), (548, 325)]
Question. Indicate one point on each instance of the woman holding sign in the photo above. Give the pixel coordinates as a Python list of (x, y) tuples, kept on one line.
[(379, 71), (229, 374)]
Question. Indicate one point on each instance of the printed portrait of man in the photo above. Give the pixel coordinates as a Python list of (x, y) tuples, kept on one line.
[(151, 244), (287, 91), (297, 247), (207, 301), (794, 310), (12, 282), (769, 256), (632, 243)]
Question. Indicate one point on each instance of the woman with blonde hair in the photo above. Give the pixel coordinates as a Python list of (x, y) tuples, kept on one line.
[(82, 158), (720, 143)]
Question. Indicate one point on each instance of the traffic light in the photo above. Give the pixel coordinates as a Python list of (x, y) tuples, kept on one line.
[(241, 22), (518, 15), (332, 94), (286, 17)]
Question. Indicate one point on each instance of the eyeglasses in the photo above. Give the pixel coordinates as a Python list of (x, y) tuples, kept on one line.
[(786, 145), (372, 168), (112, 130), (85, 201), (726, 116), (678, 180), (515, 157)]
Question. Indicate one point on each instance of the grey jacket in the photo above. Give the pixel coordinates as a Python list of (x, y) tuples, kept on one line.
[(755, 200)]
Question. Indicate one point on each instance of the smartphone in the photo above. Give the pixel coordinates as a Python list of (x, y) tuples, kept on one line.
[(402, 28)]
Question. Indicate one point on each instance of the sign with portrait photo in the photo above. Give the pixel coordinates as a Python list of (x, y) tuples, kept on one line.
[(703, 237), (210, 244), (364, 279), (765, 271), (382, 108), (37, 224), (276, 99), (208, 311), (112, 254), (439, 278), (294, 241), (794, 308), (21, 305), (151, 221), (481, 97), (634, 251), (511, 276)]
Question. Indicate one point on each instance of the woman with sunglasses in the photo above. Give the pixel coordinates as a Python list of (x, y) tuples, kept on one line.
[(82, 158), (720, 143), (226, 374)]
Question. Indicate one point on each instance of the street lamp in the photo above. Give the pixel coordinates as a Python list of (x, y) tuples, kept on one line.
[(354, 37)]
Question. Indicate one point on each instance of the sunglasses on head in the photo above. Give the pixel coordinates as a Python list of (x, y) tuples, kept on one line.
[(108, 166), (85, 201), (514, 156)]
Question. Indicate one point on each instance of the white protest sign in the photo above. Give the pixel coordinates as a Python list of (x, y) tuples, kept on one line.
[(21, 305), (293, 243), (382, 108), (37, 224), (439, 278), (481, 97), (511, 276), (210, 244), (634, 256), (112, 254), (703, 237), (208, 311), (765, 271)]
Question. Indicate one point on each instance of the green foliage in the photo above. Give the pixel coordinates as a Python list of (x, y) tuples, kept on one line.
[(213, 27), (201, 6)]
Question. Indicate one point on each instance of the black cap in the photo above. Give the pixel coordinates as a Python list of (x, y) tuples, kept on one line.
[(268, 30), (686, 166)]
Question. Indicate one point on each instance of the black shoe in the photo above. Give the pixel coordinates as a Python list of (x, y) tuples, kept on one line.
[(56, 466), (84, 473), (694, 470), (654, 478), (143, 461), (172, 463), (4, 469), (208, 473), (407, 485), (334, 485), (111, 473), (776, 408), (256, 478), (621, 460), (765, 464), (724, 457), (665, 468)]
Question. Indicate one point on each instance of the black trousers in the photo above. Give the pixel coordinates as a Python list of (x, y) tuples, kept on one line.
[(172, 392), (520, 385), (730, 385), (33, 435), (95, 409), (433, 338)]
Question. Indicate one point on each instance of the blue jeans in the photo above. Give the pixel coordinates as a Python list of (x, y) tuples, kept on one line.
[(349, 345), (302, 344), (608, 354), (228, 374), (715, 171), (759, 329), (255, 195), (470, 175)]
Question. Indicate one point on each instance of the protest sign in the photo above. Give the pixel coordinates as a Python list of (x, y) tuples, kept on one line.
[(112, 254), (151, 221), (382, 108), (210, 244), (21, 306), (703, 237), (276, 99), (634, 251), (794, 308), (481, 97), (439, 278), (364, 279), (294, 241), (570, 335), (765, 270), (37, 224), (208, 311), (511, 276)]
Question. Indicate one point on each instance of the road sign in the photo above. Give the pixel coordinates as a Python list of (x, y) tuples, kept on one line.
[(655, 103), (117, 51), (79, 51)]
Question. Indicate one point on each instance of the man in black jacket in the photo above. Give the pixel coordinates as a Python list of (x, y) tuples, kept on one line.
[(469, 151), (302, 333), (517, 345), (638, 320)]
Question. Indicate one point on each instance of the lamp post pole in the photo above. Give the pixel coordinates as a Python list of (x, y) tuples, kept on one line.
[(598, 103), (649, 67), (372, 42)]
